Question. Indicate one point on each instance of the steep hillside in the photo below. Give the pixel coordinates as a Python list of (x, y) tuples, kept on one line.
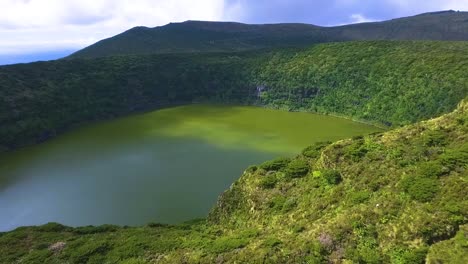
[(394, 197), (384, 82), (200, 36)]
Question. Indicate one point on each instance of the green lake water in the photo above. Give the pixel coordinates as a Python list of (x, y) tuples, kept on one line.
[(167, 166)]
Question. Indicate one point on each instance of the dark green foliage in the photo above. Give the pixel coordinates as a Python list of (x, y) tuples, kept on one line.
[(268, 181), (359, 80), (332, 176), (272, 242), (52, 227), (251, 169), (421, 189), (156, 225), (228, 243), (432, 169), (356, 151), (453, 250), (61, 94), (414, 256), (297, 168), (289, 204), (393, 83), (224, 244), (275, 165), (90, 252), (95, 229), (316, 253), (359, 196), (277, 202), (315, 150), (457, 157), (434, 138), (298, 229)]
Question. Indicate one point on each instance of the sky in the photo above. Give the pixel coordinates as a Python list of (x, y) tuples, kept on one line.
[(47, 29)]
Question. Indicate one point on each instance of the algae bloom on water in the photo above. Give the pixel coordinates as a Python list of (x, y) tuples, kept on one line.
[(168, 165)]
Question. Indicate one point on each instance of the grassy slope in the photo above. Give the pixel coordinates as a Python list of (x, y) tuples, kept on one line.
[(393, 197), (200, 36), (389, 82)]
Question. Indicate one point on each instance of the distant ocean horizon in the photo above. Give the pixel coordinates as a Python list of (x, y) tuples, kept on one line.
[(7, 59)]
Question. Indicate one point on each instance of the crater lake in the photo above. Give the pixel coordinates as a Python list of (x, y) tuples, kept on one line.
[(167, 166)]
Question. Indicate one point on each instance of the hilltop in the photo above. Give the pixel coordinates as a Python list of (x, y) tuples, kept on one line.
[(203, 36)]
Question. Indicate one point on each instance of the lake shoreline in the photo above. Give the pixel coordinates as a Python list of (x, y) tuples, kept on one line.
[(79, 125)]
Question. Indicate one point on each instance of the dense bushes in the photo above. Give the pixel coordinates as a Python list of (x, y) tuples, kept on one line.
[(268, 181), (276, 164), (332, 176), (393, 83), (314, 150), (384, 82), (420, 188), (297, 168)]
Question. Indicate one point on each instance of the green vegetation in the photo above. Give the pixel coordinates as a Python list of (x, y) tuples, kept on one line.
[(344, 210), (332, 176), (383, 82), (397, 196), (392, 83), (297, 168), (202, 36), (276, 164)]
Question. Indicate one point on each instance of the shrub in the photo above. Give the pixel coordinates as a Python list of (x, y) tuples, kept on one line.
[(268, 181), (272, 242), (414, 256), (134, 261), (274, 165), (298, 229), (368, 254), (332, 176), (356, 151), (434, 138), (95, 229), (95, 250), (251, 169), (52, 227), (456, 158), (432, 169), (297, 168), (421, 189), (359, 197), (289, 204), (225, 244), (276, 203), (314, 150), (155, 225)]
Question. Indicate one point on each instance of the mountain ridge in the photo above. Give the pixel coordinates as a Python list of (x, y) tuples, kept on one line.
[(212, 36)]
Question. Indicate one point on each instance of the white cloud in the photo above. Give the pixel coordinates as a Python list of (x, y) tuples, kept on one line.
[(359, 18), (28, 26), (41, 25)]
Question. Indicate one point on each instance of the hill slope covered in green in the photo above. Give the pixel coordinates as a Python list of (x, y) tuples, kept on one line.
[(385, 82), (202, 36), (394, 197)]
